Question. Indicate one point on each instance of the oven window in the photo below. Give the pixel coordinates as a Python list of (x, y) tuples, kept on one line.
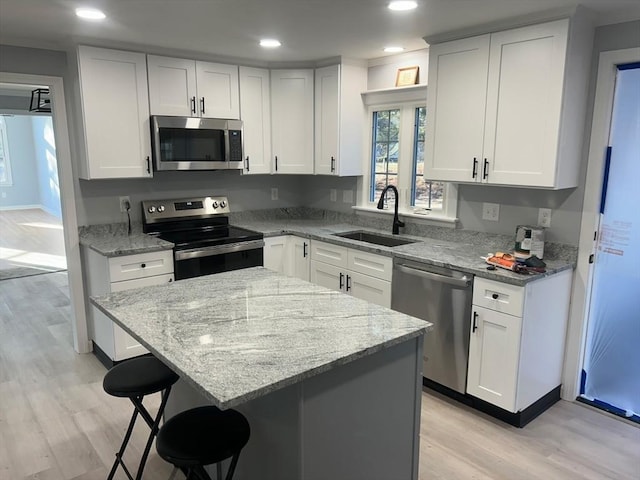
[(191, 145), (196, 267)]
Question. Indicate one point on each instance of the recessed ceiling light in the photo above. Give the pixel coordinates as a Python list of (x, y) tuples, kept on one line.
[(90, 14), (393, 49), (270, 43), (400, 5)]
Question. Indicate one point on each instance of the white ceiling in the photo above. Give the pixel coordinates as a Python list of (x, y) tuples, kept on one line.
[(308, 29)]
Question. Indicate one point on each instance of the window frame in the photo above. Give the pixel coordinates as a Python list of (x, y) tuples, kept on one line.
[(5, 153), (406, 169)]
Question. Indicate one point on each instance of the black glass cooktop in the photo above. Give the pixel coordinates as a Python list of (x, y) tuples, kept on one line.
[(218, 235)]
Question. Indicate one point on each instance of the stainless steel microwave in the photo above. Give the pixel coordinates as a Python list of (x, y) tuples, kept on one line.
[(192, 143)]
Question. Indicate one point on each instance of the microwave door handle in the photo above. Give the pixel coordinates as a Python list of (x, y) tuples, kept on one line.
[(227, 153)]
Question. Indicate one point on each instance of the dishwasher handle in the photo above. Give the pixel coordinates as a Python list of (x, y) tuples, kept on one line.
[(458, 282)]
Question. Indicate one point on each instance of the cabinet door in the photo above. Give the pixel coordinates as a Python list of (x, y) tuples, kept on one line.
[(327, 98), (125, 345), (300, 257), (218, 89), (115, 109), (275, 254), (172, 86), (369, 288), (456, 100), (255, 113), (494, 350), (524, 99), (292, 120), (326, 275)]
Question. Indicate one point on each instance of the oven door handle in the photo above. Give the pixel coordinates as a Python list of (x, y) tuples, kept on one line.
[(218, 250)]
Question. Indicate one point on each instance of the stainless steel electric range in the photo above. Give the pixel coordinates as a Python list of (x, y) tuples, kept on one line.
[(204, 242)]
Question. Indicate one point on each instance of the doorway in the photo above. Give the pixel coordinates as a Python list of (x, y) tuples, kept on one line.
[(67, 198), (610, 379), (31, 227)]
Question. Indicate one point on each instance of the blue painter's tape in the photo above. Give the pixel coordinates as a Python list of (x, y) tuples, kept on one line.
[(583, 381), (605, 179), (629, 66)]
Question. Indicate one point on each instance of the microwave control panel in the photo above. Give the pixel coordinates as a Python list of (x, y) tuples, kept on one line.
[(235, 145)]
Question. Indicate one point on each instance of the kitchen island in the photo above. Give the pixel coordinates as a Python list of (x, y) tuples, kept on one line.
[(330, 384)]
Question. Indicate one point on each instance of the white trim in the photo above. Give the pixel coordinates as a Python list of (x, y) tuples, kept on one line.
[(600, 129), (67, 199), (21, 207), (429, 218)]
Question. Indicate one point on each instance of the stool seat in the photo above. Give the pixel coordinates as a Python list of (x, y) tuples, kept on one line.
[(202, 436), (137, 377)]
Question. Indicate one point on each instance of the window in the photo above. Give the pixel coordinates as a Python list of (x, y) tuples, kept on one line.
[(5, 164), (397, 158)]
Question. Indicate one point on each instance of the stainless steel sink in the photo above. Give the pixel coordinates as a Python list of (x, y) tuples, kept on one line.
[(375, 238)]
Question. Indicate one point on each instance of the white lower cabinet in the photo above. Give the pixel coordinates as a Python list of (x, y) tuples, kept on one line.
[(517, 337), (362, 274), (288, 255), (105, 275)]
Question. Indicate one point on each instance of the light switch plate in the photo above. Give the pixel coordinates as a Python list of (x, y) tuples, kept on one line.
[(491, 211)]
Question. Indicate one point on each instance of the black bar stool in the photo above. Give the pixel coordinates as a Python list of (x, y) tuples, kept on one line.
[(203, 436), (134, 379)]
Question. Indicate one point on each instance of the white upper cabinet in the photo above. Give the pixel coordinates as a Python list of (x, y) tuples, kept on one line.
[(292, 97), (340, 117), (456, 99), (255, 113), (192, 88), (507, 108), (115, 114)]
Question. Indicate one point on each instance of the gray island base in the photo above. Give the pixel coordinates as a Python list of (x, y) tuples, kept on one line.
[(330, 384)]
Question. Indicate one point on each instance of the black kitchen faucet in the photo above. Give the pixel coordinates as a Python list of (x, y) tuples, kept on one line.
[(396, 221)]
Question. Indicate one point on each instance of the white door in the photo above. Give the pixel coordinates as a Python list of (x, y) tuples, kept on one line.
[(369, 288), (300, 257), (327, 98), (255, 113), (115, 108), (612, 355), (172, 86), (328, 276), (276, 253), (494, 349), (218, 90), (524, 100), (292, 120), (125, 345), (456, 100)]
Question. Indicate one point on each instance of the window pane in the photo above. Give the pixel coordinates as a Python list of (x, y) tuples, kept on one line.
[(382, 126), (386, 149), (381, 181), (394, 124)]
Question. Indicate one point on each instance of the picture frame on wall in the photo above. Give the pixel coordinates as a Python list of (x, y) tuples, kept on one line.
[(407, 76)]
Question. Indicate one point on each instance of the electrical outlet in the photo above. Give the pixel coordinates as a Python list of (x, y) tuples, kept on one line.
[(333, 195), (491, 211), (274, 193), (347, 196), (124, 202), (544, 217)]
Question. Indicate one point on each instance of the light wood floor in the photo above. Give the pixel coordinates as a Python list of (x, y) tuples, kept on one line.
[(56, 423), (31, 238)]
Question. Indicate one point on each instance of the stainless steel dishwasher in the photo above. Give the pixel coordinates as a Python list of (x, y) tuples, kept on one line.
[(443, 297)]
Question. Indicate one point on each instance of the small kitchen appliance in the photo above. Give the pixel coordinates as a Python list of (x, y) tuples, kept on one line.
[(529, 242), (204, 242)]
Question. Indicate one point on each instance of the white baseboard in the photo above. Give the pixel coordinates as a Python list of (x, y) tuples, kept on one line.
[(22, 207)]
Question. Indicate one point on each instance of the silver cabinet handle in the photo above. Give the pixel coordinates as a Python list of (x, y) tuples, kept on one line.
[(459, 282)]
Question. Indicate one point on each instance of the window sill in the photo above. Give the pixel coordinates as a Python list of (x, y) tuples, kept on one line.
[(427, 218)]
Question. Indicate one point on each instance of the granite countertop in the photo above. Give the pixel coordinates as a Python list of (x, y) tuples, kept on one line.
[(261, 333), (465, 254), (113, 240)]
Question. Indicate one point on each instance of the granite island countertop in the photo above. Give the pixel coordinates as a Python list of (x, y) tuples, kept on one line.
[(259, 333), (465, 255)]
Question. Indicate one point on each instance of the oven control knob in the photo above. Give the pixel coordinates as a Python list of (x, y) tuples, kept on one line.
[(151, 209), (223, 204), (215, 204), (161, 208)]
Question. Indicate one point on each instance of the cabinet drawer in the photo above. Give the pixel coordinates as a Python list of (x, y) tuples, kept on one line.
[(370, 264), (329, 253), (142, 265), (498, 296)]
